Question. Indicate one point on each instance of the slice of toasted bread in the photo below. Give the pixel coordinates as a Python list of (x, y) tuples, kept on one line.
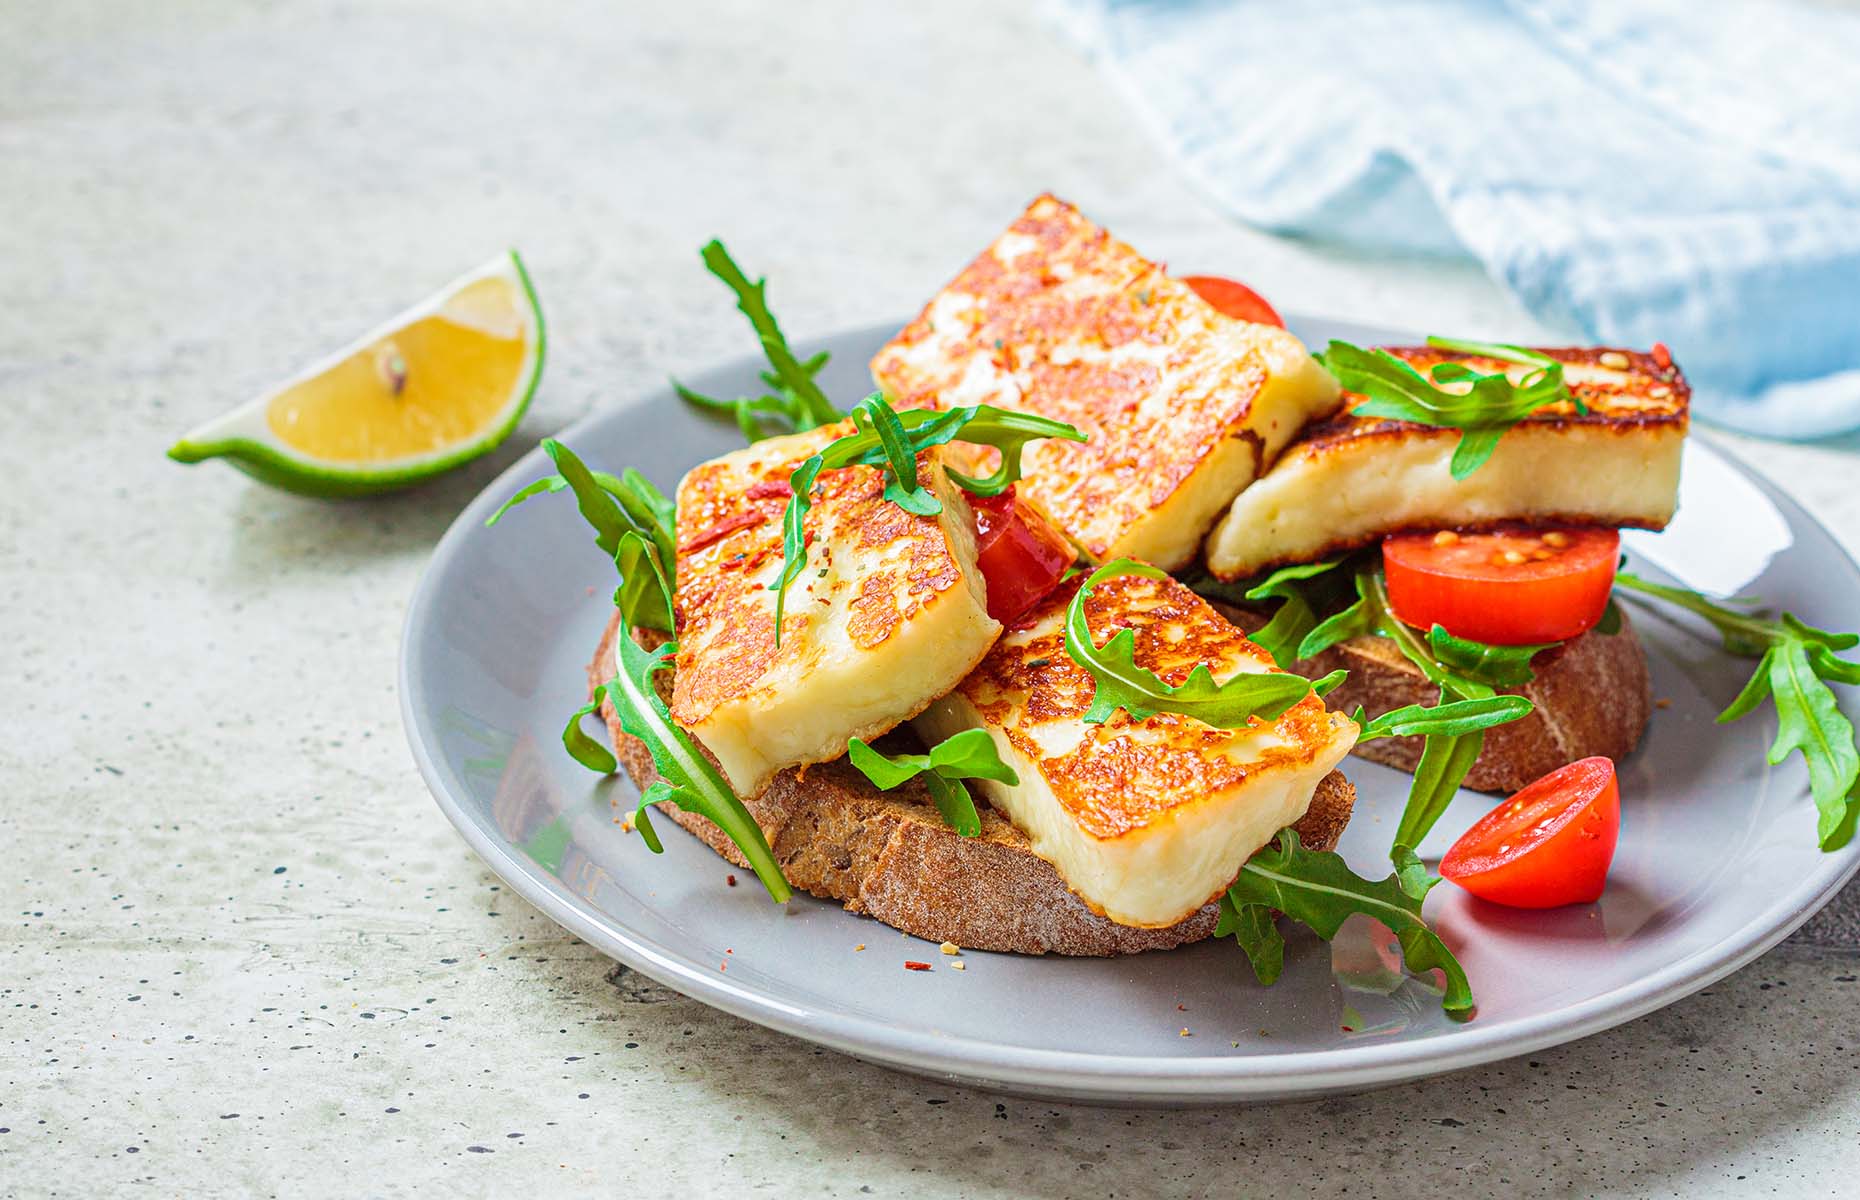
[(889, 855), (1348, 481), (1592, 693)]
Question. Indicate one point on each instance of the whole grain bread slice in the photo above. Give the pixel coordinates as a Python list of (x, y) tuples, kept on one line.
[(1592, 696), (889, 855)]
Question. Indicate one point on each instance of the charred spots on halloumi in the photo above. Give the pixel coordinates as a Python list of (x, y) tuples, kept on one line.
[(889, 613), (1183, 406), (1351, 480), (1145, 818)]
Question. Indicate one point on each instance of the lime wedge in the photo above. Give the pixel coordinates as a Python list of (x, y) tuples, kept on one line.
[(436, 386)]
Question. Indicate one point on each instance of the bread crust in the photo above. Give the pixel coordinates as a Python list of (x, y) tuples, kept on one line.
[(888, 855), (1592, 694)]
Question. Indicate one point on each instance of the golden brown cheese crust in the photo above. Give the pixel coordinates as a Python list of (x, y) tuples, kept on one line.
[(1349, 480), (730, 515), (1059, 318), (1127, 774), (1625, 391)]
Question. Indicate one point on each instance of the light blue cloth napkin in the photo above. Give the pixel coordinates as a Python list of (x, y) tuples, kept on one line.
[(1636, 170)]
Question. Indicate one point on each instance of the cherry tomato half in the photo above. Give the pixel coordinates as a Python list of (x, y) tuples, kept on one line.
[(1547, 846), (1510, 588), (1235, 299), (1020, 553)]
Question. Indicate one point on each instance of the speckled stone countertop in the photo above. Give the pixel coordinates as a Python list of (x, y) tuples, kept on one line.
[(243, 954)]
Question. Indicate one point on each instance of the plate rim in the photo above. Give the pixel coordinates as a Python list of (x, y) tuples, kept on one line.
[(1080, 1073)]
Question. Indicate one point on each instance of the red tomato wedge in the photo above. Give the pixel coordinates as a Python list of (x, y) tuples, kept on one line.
[(1510, 588), (1547, 846), (1021, 555), (1235, 299)]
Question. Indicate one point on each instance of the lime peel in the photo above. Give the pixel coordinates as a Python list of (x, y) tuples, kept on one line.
[(247, 438)]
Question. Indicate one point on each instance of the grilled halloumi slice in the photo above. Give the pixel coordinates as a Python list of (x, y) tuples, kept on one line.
[(1147, 820), (1349, 481), (1183, 406), (889, 613)]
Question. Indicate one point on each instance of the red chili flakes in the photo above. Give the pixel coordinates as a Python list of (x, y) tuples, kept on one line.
[(913, 965), (1662, 355), (730, 879), (769, 488), (718, 530)]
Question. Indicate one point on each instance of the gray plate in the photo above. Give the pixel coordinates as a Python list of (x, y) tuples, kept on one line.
[(1717, 859)]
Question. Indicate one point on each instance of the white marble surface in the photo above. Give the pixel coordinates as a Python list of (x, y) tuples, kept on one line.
[(242, 954)]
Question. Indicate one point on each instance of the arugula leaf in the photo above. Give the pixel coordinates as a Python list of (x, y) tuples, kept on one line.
[(970, 754), (633, 523), (546, 486), (1289, 626), (1317, 889), (1809, 720), (1253, 926), (1466, 672), (1293, 587), (1413, 874), (1502, 351), (953, 801), (1445, 760), (1748, 633), (794, 535), (747, 410), (1450, 718), (1610, 624), (812, 364), (903, 488), (686, 777), (644, 596), (891, 441), (801, 402), (1500, 666), (785, 410), (1796, 662), (1355, 621), (1280, 583), (652, 512), (646, 508), (1009, 433), (1474, 448), (1121, 683), (599, 507), (1371, 615), (1488, 405), (584, 749)]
